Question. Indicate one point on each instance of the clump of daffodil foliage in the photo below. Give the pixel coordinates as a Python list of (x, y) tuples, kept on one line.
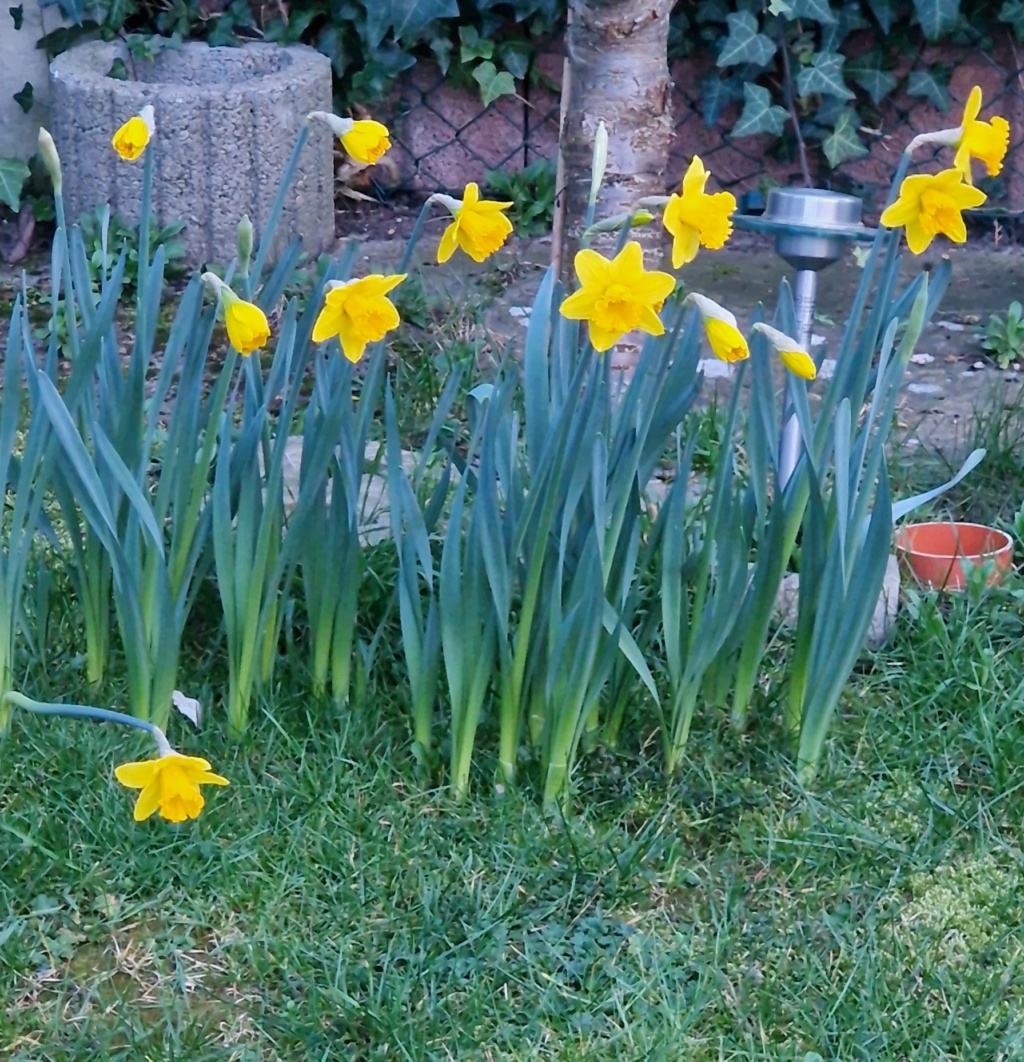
[(534, 587)]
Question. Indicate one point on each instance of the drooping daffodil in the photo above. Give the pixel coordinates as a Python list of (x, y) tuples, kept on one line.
[(617, 296), (932, 204), (246, 324), (363, 139), (170, 784), (791, 353), (478, 226), (726, 340), (985, 141), (358, 312), (131, 139), (696, 218)]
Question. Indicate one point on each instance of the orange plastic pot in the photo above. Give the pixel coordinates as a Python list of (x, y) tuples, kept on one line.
[(940, 555)]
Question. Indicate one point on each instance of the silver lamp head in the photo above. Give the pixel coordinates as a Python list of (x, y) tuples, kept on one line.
[(817, 210)]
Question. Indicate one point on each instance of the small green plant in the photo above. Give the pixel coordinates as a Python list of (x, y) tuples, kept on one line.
[(1003, 340), (104, 234), (532, 191), (13, 175)]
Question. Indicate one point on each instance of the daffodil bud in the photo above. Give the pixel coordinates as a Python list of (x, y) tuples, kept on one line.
[(600, 161), (245, 238), (51, 160), (630, 220)]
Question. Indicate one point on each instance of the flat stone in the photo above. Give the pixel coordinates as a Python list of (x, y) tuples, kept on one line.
[(714, 369), (922, 359), (924, 389), (226, 123), (787, 603)]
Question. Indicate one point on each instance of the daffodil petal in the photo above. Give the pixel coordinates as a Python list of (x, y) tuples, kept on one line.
[(449, 242), (799, 363), (591, 267), (685, 245), (136, 775), (578, 305), (650, 322), (327, 324), (148, 800), (602, 339)]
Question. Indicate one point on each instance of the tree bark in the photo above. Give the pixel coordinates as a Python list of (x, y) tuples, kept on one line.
[(617, 59)]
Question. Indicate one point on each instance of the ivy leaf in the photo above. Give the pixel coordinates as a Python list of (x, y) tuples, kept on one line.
[(932, 85), (405, 18), (883, 12), (514, 56), (472, 47), (937, 17), (824, 77), (744, 43), (17, 15), (759, 115), (780, 7), (711, 11), (818, 10), (442, 50), (493, 83), (844, 142), (714, 94), (1012, 13), (25, 98), (13, 175), (875, 81)]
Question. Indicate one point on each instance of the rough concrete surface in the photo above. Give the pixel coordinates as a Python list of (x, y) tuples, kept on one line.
[(226, 122), (21, 63)]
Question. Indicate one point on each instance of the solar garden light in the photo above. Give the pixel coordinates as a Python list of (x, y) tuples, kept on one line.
[(812, 227)]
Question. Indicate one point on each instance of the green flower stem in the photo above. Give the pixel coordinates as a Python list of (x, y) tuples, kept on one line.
[(267, 237), (85, 711)]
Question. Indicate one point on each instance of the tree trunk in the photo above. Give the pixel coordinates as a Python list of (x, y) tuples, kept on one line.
[(617, 67)]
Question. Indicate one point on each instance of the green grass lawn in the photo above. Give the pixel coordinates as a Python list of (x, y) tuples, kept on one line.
[(330, 905)]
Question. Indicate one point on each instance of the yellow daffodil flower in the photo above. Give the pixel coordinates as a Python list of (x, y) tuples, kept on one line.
[(247, 325), (726, 340), (131, 139), (479, 227), (364, 140), (358, 312), (791, 353), (170, 785), (985, 141), (617, 296), (930, 204), (697, 219)]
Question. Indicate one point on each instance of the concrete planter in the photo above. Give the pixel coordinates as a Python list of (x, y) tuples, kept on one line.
[(21, 63), (227, 120)]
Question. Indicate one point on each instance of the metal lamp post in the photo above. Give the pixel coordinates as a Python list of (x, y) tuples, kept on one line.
[(811, 227)]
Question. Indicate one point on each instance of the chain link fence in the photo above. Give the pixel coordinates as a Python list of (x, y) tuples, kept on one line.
[(445, 137)]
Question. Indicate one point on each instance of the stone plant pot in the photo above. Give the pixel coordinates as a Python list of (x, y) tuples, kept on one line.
[(940, 555), (226, 122)]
